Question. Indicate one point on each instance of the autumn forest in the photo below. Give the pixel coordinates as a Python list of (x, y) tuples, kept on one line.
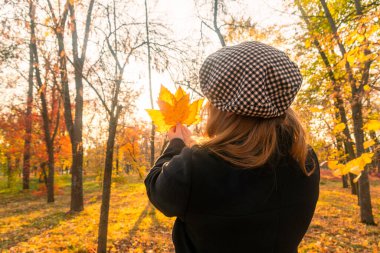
[(90, 88)]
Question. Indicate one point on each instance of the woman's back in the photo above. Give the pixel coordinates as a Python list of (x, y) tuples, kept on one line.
[(227, 209)]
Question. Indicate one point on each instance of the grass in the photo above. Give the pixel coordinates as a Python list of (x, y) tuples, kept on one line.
[(29, 224), (336, 224)]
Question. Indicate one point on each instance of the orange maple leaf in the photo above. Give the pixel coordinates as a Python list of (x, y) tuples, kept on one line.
[(175, 108)]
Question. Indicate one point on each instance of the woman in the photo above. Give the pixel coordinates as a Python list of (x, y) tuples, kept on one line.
[(253, 185)]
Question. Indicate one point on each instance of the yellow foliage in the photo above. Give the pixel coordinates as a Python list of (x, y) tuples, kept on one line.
[(372, 125), (315, 109), (334, 165), (351, 58), (174, 109), (307, 43), (369, 143), (142, 171), (339, 128), (355, 166), (338, 169)]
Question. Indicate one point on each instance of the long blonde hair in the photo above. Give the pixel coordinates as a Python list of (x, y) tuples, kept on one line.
[(248, 142)]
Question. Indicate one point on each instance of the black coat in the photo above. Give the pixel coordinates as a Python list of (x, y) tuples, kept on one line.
[(220, 208)]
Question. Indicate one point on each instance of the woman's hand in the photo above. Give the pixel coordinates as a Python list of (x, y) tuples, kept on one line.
[(181, 132)]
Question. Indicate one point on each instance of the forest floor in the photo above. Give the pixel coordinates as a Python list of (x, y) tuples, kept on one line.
[(28, 224)]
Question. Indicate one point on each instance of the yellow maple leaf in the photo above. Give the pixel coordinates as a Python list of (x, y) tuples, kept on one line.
[(174, 109), (355, 166)]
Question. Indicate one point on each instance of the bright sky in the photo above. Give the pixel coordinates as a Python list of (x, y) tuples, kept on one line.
[(182, 17)]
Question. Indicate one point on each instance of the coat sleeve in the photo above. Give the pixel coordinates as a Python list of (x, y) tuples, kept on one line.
[(168, 182)]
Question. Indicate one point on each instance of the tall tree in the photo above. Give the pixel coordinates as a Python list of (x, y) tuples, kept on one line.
[(42, 87), (357, 89), (108, 87), (28, 122), (74, 124), (153, 129)]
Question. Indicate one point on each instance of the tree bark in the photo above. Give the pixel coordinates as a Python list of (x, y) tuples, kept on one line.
[(376, 158), (344, 181), (9, 170), (364, 186), (354, 186), (215, 23), (44, 174), (106, 196), (28, 122), (117, 160), (153, 128), (152, 143), (339, 148)]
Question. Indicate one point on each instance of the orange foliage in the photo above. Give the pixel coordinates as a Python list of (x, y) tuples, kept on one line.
[(42, 190), (12, 133), (12, 125), (128, 145)]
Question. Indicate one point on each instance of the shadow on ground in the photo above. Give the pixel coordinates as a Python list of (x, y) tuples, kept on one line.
[(33, 228)]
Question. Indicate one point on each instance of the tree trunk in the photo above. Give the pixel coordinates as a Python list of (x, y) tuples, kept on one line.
[(9, 170), (364, 186), (77, 149), (17, 165), (106, 196), (75, 131), (340, 148), (76, 204), (50, 179), (153, 128), (117, 160), (28, 123), (49, 145), (152, 143), (354, 186), (376, 157), (215, 23), (344, 181), (44, 174), (44, 111), (376, 149)]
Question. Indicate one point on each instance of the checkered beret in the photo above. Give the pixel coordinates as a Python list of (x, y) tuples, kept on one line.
[(250, 79)]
